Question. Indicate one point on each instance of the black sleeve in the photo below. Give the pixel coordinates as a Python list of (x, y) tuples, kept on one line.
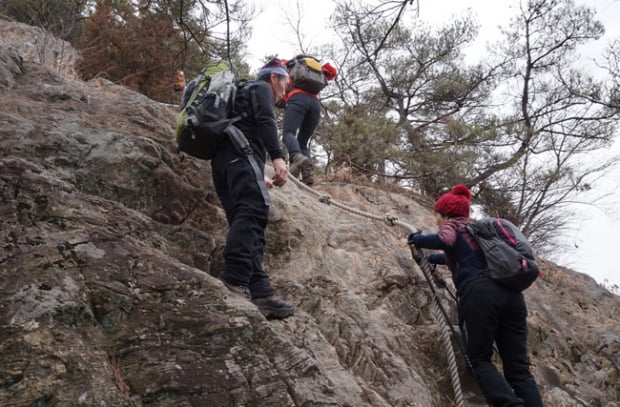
[(266, 127), (437, 258)]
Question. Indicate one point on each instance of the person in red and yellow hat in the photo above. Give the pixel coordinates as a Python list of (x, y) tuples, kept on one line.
[(302, 115)]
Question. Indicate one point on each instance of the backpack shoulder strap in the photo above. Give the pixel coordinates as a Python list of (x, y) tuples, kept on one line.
[(505, 232), (242, 89)]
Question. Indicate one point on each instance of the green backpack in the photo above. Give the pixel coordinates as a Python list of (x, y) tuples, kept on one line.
[(207, 111)]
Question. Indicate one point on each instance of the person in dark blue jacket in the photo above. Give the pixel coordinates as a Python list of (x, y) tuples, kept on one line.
[(301, 117), (240, 184), (487, 312)]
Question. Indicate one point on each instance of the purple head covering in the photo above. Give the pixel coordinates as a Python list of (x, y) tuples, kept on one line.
[(274, 66)]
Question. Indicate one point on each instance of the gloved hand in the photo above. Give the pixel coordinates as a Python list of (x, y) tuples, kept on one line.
[(436, 276), (414, 238)]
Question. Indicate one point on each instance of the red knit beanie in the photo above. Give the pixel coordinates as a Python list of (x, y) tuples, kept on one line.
[(455, 203)]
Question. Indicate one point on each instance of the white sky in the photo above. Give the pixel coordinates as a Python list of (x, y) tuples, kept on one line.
[(596, 228)]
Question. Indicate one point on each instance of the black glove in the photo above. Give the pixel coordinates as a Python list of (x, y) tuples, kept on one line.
[(414, 238)]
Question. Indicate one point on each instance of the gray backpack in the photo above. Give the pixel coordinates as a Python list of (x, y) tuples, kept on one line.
[(307, 74), (509, 256)]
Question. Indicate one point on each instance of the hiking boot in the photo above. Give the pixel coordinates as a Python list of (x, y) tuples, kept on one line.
[(298, 162), (238, 289), (273, 308), (307, 175)]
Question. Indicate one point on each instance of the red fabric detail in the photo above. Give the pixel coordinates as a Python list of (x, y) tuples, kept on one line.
[(505, 232), (447, 233), (295, 91), (329, 71)]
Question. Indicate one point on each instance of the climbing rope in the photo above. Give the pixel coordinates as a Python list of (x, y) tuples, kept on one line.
[(418, 254)]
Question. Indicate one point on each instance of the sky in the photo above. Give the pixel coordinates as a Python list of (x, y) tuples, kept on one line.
[(593, 235)]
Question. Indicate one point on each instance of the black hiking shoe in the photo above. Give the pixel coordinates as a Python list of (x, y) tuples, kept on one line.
[(297, 163), (273, 308), (237, 289)]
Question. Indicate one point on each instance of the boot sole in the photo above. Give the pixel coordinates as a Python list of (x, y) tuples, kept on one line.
[(276, 313)]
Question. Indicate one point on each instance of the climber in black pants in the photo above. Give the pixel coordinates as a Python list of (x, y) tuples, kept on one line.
[(240, 184)]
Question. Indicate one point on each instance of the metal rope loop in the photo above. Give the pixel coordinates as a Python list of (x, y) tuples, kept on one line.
[(391, 220)]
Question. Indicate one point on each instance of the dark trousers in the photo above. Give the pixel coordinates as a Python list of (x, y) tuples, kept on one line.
[(247, 214), (488, 313), (301, 116)]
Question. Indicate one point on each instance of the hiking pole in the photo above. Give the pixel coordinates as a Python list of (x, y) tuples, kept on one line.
[(442, 283), (420, 258)]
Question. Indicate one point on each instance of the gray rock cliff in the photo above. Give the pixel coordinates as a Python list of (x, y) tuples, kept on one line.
[(110, 245)]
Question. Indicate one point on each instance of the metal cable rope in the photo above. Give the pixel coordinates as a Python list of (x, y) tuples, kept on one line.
[(438, 310)]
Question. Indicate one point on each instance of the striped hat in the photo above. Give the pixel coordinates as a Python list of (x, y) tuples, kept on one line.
[(274, 66)]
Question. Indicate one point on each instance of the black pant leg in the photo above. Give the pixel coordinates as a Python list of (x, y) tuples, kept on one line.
[(480, 306), (301, 117), (511, 342), (247, 215), (309, 123)]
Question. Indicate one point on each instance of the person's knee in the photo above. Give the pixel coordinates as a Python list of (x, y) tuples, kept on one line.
[(252, 212), (289, 134), (518, 373)]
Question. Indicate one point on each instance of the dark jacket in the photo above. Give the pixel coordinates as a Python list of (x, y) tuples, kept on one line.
[(255, 101), (461, 254)]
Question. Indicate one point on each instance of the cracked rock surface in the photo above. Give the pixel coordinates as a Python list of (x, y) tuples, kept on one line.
[(110, 245)]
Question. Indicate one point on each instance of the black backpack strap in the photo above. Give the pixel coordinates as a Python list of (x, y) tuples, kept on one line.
[(242, 145), (468, 228)]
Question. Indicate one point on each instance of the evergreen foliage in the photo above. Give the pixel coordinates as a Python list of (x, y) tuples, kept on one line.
[(60, 17), (516, 127), (142, 44)]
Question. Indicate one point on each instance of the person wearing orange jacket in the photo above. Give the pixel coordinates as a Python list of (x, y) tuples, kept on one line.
[(179, 84), (301, 117)]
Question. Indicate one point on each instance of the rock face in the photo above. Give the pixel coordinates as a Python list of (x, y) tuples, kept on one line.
[(37, 45), (110, 245)]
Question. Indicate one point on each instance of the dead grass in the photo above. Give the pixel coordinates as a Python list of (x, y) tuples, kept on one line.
[(119, 381)]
